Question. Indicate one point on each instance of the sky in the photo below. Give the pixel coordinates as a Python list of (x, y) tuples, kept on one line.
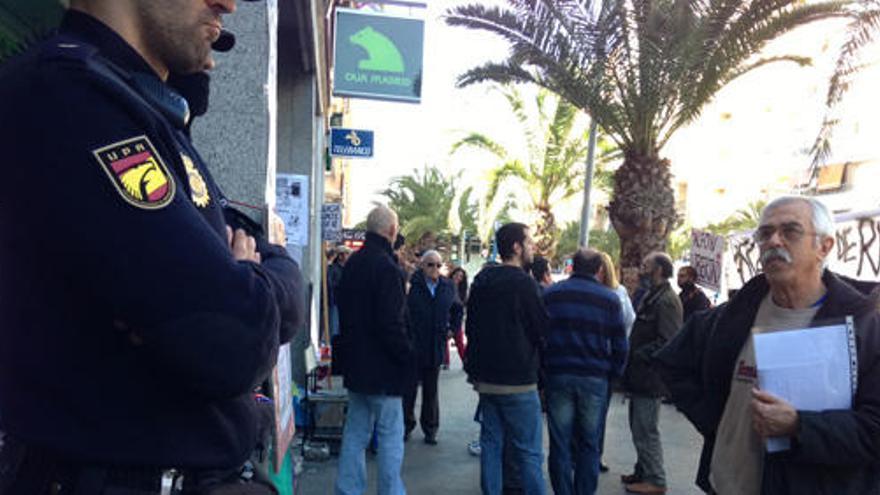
[(750, 143)]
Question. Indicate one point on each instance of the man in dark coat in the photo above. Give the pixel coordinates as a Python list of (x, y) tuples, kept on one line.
[(506, 323), (128, 353), (658, 318), (376, 357), (692, 298), (711, 372), (430, 301)]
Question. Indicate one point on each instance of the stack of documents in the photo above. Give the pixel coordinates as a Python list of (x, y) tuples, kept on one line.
[(814, 369)]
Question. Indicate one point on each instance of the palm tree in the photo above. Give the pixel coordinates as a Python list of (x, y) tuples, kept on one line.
[(603, 240), (863, 29), (423, 202), (23, 22), (643, 70), (743, 219), (552, 167)]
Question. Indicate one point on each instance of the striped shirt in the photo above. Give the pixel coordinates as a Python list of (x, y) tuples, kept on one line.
[(586, 335)]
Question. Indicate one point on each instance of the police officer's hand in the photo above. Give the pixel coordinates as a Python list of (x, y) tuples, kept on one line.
[(244, 247), (772, 416)]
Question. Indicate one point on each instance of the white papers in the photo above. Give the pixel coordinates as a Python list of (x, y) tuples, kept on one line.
[(813, 369), (292, 205)]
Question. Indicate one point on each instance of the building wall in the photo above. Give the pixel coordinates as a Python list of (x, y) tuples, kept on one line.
[(233, 137)]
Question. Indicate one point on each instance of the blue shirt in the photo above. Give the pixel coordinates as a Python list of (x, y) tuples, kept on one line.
[(586, 334)]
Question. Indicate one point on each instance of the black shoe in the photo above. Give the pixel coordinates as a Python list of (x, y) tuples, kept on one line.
[(603, 468), (629, 479), (431, 440)]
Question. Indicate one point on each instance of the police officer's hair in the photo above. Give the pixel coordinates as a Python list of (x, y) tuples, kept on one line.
[(381, 219), (664, 261), (823, 221), (431, 253)]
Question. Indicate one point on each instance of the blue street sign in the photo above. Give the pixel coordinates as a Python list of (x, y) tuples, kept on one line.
[(351, 143)]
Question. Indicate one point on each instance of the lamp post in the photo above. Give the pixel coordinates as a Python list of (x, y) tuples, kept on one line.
[(584, 238)]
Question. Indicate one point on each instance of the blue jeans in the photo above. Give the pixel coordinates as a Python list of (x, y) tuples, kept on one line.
[(576, 408), (364, 412), (516, 417)]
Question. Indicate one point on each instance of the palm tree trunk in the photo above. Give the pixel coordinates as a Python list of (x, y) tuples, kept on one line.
[(546, 237), (642, 211)]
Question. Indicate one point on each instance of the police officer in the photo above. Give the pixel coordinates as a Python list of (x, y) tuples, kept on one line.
[(134, 321)]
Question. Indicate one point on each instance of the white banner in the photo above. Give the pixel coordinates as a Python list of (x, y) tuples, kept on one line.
[(856, 250)]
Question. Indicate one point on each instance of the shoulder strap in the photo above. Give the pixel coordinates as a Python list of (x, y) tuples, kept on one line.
[(146, 90)]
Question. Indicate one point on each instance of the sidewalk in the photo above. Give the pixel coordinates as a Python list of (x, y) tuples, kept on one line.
[(447, 468)]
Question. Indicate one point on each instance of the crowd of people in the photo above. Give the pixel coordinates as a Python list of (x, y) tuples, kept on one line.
[(132, 359), (539, 349)]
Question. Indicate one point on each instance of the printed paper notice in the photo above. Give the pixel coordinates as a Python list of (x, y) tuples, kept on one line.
[(292, 205)]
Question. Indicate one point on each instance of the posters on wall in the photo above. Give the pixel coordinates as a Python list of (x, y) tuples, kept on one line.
[(282, 380), (292, 205)]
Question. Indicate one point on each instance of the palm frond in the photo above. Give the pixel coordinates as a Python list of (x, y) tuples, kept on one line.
[(510, 169), (862, 30), (480, 141)]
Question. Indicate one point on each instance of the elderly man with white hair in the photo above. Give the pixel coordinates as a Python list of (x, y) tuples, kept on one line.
[(430, 301), (710, 370)]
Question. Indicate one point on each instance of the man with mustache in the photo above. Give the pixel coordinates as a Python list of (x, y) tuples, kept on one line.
[(711, 372), (130, 351)]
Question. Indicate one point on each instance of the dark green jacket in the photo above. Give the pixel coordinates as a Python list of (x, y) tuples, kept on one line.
[(658, 319)]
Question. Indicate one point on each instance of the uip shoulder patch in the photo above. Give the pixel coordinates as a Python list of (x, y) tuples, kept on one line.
[(138, 172)]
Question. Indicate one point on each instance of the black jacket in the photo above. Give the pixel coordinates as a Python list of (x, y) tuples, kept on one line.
[(835, 452), (334, 275), (430, 318), (505, 327), (693, 299), (658, 319), (373, 349), (129, 334)]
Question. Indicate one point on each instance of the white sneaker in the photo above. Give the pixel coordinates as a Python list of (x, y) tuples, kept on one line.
[(474, 448)]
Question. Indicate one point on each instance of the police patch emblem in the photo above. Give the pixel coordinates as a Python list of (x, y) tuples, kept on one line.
[(198, 187), (138, 173)]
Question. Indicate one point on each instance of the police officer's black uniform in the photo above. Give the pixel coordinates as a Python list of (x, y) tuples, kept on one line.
[(130, 338)]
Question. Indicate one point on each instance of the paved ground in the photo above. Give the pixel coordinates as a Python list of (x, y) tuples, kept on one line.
[(448, 468)]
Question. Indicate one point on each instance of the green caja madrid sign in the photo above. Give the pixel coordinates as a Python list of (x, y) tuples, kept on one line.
[(378, 56)]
